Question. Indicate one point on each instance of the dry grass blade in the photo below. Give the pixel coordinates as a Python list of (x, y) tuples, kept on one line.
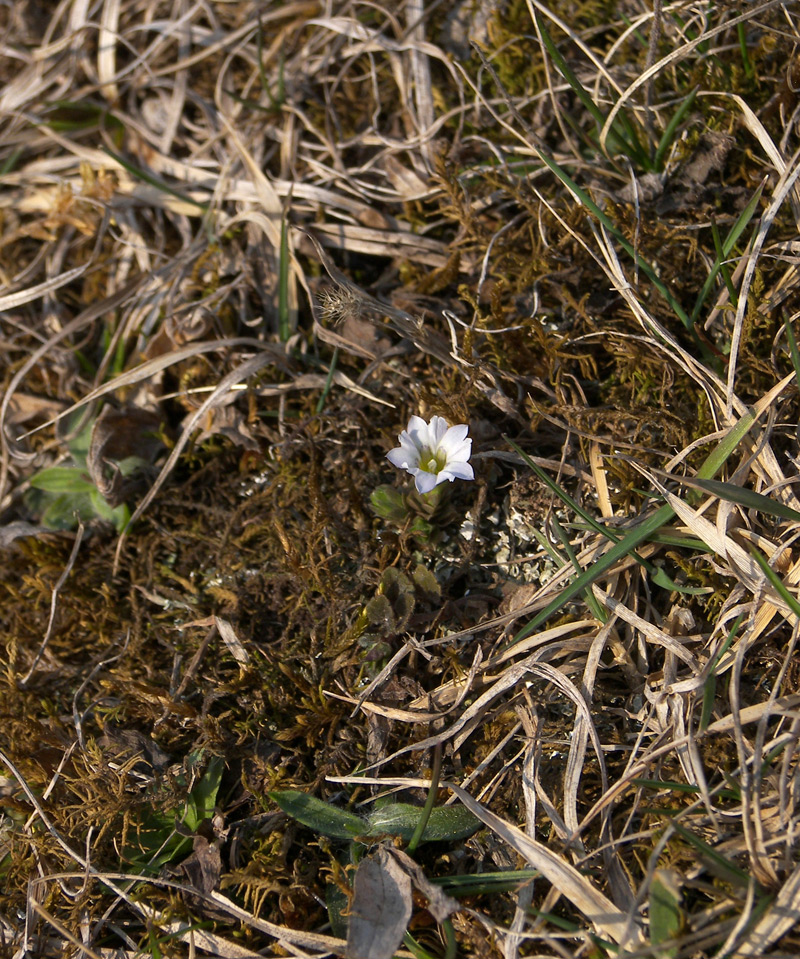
[(241, 246), (12, 301), (676, 55), (589, 901), (237, 375), (325, 945), (783, 189)]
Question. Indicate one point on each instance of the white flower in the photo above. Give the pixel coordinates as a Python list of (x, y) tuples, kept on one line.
[(433, 453)]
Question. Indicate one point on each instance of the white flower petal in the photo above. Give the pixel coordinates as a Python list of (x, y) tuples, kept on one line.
[(433, 452), (417, 432), (461, 451), (438, 429), (458, 471), (454, 437), (399, 457), (417, 423), (413, 449), (406, 442), (426, 481)]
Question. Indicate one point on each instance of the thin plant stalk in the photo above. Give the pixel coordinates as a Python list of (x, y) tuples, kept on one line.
[(427, 809)]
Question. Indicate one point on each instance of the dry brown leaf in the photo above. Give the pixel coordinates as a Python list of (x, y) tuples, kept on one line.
[(203, 867), (116, 436), (440, 905), (381, 907), (229, 422)]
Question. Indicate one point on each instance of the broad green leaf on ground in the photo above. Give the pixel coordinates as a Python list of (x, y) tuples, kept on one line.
[(320, 816), (445, 822), (396, 819)]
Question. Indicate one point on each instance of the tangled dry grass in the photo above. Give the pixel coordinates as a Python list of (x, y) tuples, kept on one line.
[(240, 244)]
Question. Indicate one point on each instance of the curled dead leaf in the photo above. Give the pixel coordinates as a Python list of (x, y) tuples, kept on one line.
[(119, 436)]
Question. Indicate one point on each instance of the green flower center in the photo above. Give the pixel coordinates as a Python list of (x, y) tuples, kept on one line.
[(433, 461)]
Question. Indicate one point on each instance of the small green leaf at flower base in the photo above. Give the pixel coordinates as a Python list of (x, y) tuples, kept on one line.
[(159, 836), (380, 613), (389, 504), (336, 901), (375, 649), (398, 589), (422, 531), (62, 479), (430, 504), (65, 495), (62, 510), (427, 584)]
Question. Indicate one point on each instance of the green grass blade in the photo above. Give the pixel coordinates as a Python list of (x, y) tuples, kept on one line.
[(747, 63), (634, 32), (793, 351), (681, 540), (451, 946), (568, 926), (640, 534), (716, 862), (678, 787), (328, 381), (73, 116), (284, 326), (659, 576), (623, 548), (591, 600), (747, 498), (727, 247), (583, 198), (489, 883), (710, 685), (719, 455), (566, 71), (628, 145), (154, 181), (430, 801), (414, 947), (11, 161), (668, 136), (722, 260), (777, 582), (741, 223)]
